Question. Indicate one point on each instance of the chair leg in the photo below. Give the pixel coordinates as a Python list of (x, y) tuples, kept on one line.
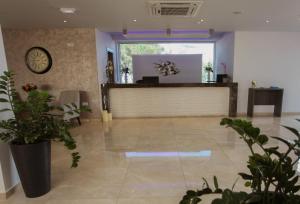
[(78, 119)]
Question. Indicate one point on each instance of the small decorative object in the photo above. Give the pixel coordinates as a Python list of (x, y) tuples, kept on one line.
[(29, 87), (224, 67), (30, 132), (105, 116), (209, 69), (166, 68), (271, 174), (38, 60), (126, 72), (253, 84), (109, 72), (109, 115)]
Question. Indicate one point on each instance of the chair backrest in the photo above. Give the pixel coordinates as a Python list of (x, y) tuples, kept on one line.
[(69, 97)]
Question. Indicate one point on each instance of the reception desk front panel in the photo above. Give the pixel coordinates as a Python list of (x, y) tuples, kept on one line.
[(170, 100)]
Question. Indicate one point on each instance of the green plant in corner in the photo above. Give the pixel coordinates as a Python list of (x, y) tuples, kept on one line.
[(272, 177), (32, 121)]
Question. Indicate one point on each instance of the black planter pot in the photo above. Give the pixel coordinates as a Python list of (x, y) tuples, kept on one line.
[(33, 162)]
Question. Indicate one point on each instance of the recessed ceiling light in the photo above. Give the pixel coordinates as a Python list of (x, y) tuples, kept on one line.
[(67, 10), (201, 21), (237, 12), (268, 21), (65, 21), (134, 20)]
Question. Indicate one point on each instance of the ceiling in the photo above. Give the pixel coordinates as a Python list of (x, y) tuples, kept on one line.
[(113, 15)]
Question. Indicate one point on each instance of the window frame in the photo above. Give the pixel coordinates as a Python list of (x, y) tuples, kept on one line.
[(119, 42)]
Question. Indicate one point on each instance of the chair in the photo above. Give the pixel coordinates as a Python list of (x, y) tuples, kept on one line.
[(70, 97)]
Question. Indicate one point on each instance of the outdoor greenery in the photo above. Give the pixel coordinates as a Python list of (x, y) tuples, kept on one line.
[(32, 120), (272, 177), (127, 50)]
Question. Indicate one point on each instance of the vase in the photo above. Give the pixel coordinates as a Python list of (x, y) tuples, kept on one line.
[(33, 162), (105, 116), (208, 76)]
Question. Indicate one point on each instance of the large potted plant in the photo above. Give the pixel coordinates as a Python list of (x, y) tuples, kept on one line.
[(29, 133), (272, 175)]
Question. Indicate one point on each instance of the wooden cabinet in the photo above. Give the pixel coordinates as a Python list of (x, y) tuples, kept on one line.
[(265, 96)]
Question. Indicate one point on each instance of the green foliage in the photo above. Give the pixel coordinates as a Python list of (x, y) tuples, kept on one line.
[(271, 169), (127, 50), (33, 121)]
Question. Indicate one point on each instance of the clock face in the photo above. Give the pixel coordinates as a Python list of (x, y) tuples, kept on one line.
[(38, 60)]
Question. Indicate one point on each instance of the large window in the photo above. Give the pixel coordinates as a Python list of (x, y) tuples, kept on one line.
[(129, 49)]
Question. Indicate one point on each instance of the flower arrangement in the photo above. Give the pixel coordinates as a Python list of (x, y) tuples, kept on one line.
[(29, 87), (166, 68), (208, 68), (224, 67), (253, 84)]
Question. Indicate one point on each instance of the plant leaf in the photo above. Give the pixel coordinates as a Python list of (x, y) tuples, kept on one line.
[(5, 109), (216, 182), (246, 176), (3, 100), (293, 130), (282, 140)]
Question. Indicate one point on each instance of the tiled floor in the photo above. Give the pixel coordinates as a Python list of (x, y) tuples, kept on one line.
[(148, 161)]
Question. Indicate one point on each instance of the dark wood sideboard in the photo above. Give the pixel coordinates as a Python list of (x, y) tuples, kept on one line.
[(265, 96)]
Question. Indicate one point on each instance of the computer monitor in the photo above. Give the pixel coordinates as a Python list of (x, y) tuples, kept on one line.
[(151, 79)]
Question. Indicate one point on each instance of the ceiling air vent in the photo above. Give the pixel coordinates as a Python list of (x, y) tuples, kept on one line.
[(174, 8)]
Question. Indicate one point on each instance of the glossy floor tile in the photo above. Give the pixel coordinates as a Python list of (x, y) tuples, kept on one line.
[(149, 161)]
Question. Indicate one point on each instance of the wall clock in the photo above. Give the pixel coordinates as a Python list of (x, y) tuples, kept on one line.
[(38, 60)]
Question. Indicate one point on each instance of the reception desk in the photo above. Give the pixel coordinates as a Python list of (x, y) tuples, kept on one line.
[(170, 100)]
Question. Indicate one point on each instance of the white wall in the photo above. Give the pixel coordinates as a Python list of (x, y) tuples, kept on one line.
[(225, 53), (104, 41), (8, 174), (189, 65), (271, 59)]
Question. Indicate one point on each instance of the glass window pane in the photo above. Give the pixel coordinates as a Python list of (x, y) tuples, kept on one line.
[(129, 49)]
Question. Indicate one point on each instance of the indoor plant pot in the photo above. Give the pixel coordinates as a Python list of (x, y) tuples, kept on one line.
[(30, 130), (33, 162)]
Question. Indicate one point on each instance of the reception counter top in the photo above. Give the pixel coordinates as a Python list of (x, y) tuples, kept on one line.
[(166, 85), (170, 99)]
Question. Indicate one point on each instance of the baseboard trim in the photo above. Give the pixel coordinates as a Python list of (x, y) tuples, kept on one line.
[(268, 114), (5, 196), (155, 117), (90, 120)]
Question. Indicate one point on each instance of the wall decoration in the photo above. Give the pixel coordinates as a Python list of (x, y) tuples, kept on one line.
[(253, 84), (166, 68), (109, 70), (38, 60)]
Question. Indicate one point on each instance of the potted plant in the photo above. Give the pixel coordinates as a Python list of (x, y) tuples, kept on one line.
[(209, 69), (272, 177), (29, 133)]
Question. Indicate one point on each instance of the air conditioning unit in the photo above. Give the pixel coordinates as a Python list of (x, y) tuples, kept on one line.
[(183, 8)]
